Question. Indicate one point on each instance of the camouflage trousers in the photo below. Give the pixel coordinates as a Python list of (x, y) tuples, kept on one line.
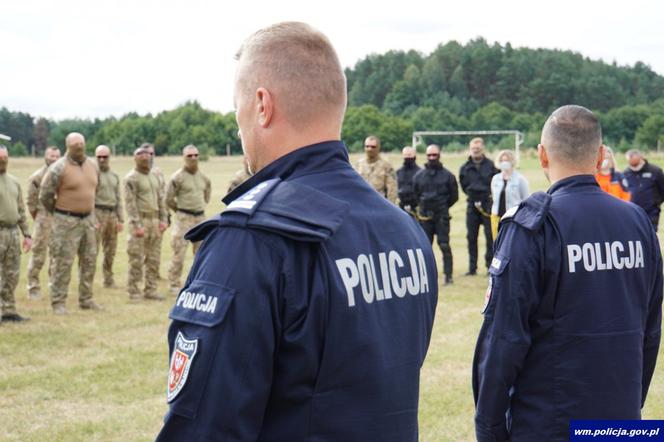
[(10, 265), (183, 222), (72, 236), (40, 238), (144, 252), (107, 239)]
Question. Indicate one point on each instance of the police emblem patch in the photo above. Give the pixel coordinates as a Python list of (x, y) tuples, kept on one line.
[(184, 351), (487, 295)]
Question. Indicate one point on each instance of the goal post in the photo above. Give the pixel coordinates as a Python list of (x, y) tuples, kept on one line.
[(518, 136)]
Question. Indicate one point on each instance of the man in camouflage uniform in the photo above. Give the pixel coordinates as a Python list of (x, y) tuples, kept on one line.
[(377, 171), (43, 222), (146, 215), (162, 184), (187, 194), (240, 177), (12, 218), (68, 190), (108, 210)]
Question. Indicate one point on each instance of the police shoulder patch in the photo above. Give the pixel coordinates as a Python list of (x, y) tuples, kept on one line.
[(509, 213), (184, 351), (249, 201)]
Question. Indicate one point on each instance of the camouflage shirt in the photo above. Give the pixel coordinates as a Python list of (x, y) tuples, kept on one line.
[(380, 175), (188, 191), (240, 177), (108, 192), (34, 184), (12, 207), (143, 194)]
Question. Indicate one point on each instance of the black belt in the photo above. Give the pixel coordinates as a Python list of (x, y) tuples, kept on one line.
[(74, 214), (191, 212), (8, 226), (109, 208)]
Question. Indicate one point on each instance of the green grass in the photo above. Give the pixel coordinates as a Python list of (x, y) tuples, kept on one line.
[(102, 376)]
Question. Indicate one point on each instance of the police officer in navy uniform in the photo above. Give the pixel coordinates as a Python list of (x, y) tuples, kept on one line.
[(300, 320), (573, 309), (646, 184)]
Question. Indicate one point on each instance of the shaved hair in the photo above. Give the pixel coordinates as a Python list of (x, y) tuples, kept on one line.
[(74, 137), (433, 147), (3, 148), (101, 148), (572, 134), (188, 147), (299, 65), (373, 138), (409, 152)]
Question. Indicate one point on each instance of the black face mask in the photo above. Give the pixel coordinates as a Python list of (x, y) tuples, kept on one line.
[(434, 164), (409, 162)]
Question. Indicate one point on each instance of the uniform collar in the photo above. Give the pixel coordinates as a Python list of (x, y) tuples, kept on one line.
[(574, 182), (308, 159)]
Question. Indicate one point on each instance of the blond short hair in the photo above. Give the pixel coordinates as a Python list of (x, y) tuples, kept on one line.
[(506, 153), (299, 64), (476, 140)]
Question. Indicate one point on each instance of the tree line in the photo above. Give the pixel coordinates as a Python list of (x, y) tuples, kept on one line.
[(476, 86)]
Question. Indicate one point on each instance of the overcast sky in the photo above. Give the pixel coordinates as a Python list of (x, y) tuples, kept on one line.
[(83, 58)]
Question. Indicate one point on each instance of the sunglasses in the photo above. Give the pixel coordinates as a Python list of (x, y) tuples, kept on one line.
[(433, 155), (192, 155), (102, 157)]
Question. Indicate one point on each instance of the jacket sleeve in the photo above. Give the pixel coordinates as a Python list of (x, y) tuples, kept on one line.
[(659, 177), (505, 337), (118, 197), (236, 341), (22, 219), (462, 178), (33, 194), (48, 189), (161, 202), (652, 335), (130, 190), (172, 189), (523, 188), (208, 190), (391, 184), (454, 190)]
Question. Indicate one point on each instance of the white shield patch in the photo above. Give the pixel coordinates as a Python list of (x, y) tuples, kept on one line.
[(184, 351)]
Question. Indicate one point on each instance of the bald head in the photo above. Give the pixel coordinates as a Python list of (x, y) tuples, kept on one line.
[(433, 149), (75, 143), (408, 152), (102, 150), (572, 135), (298, 64)]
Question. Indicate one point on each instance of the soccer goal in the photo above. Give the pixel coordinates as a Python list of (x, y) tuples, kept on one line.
[(518, 136)]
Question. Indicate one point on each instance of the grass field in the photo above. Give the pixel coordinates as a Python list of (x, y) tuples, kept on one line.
[(102, 376)]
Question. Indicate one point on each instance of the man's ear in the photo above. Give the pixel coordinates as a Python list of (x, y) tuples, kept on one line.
[(265, 107), (543, 156)]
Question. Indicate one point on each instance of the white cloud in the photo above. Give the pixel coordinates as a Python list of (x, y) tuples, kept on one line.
[(81, 58)]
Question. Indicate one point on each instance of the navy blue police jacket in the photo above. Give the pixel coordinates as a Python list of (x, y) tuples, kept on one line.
[(646, 187), (307, 313), (572, 316)]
